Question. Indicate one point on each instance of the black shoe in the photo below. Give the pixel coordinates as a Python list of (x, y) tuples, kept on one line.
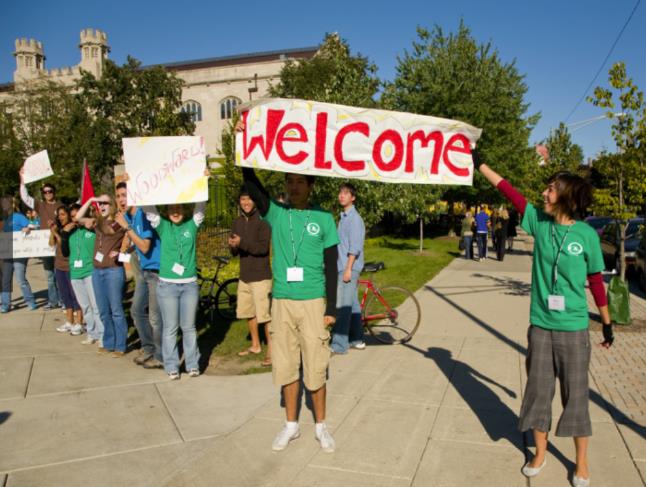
[(153, 363), (142, 358)]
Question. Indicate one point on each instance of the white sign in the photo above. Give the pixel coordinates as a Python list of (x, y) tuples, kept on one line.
[(165, 170), (322, 139), (18, 245), (37, 167)]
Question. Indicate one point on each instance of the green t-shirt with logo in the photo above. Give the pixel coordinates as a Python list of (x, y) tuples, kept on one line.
[(177, 249), (81, 243), (580, 256), (310, 232)]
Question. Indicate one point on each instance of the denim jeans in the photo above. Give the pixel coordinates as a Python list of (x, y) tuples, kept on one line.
[(348, 329), (20, 268), (84, 292), (145, 313), (178, 305), (108, 284), (482, 245), (468, 247), (52, 291)]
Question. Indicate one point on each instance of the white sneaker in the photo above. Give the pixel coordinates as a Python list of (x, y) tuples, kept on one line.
[(76, 330), (283, 438), (325, 439), (64, 328), (359, 346), (89, 341)]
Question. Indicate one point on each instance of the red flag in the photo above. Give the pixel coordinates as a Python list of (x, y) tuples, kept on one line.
[(87, 190)]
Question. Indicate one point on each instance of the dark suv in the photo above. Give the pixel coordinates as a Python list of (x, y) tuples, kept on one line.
[(640, 262), (610, 243)]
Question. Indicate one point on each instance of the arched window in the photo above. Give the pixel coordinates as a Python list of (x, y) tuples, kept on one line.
[(194, 109), (228, 107)]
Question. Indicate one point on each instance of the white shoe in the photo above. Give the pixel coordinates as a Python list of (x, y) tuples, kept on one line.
[(325, 439), (283, 438), (64, 328), (89, 341), (533, 471), (579, 482), (76, 330), (359, 346)]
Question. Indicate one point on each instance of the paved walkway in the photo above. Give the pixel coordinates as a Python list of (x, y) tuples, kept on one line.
[(439, 411)]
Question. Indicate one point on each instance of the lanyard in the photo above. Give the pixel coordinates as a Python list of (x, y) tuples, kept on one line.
[(291, 234), (178, 241), (555, 270)]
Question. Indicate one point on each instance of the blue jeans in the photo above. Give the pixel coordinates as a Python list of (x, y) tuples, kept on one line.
[(482, 245), (178, 305), (468, 247), (84, 292), (52, 291), (145, 312), (108, 287), (20, 268), (348, 329)]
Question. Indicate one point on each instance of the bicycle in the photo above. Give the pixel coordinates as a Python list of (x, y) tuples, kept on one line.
[(391, 314), (221, 299)]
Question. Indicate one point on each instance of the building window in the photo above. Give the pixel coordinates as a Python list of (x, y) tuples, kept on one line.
[(95, 52), (86, 51), (194, 109), (228, 107)]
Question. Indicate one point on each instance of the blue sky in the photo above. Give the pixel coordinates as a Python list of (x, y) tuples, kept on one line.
[(557, 45)]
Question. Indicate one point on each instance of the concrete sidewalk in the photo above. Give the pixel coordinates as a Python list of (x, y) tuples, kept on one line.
[(439, 411)]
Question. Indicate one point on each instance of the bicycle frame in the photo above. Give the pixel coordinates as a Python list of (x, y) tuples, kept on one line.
[(370, 287)]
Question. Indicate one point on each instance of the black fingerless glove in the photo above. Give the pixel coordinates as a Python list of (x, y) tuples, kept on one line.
[(477, 160), (608, 336)]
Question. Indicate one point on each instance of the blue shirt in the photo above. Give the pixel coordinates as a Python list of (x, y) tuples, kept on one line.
[(481, 222), (15, 223), (352, 234), (140, 224)]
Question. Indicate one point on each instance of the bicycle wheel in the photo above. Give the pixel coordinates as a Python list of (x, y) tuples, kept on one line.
[(392, 315), (226, 299)]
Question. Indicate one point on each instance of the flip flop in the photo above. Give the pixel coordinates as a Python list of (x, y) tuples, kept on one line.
[(248, 351), (266, 362)]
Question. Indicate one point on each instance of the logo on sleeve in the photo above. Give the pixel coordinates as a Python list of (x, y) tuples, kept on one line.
[(575, 248), (313, 229)]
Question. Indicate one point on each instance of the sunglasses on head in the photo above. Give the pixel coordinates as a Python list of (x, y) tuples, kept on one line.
[(47, 191), (103, 203)]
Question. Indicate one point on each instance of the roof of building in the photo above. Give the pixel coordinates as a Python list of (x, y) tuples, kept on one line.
[(249, 58)]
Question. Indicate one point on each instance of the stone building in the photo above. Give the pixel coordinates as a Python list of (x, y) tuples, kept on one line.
[(213, 86)]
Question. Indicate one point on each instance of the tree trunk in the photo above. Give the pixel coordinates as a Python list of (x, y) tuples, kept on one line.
[(622, 230), (421, 234)]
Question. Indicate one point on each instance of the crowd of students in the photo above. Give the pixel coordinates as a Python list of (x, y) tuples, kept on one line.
[(479, 224)]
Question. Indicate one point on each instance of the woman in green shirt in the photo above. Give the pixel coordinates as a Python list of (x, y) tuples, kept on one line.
[(566, 252)]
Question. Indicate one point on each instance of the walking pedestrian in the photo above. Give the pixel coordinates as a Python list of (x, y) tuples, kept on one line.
[(500, 231), (466, 234), (511, 229), (482, 229)]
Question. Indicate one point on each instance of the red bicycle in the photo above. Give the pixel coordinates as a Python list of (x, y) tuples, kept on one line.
[(391, 314)]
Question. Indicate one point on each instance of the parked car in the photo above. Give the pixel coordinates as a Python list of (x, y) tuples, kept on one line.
[(610, 243), (640, 262), (598, 222)]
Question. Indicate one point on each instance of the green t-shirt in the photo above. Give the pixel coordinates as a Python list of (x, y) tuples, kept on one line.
[(312, 231), (81, 243), (580, 256), (177, 249)]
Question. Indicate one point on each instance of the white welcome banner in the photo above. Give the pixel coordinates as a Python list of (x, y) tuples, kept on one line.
[(323, 139), (18, 245), (36, 167), (165, 170)]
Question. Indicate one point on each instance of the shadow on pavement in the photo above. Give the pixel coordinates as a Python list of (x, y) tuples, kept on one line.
[(4, 416)]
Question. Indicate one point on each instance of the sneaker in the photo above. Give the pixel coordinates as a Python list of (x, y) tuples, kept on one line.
[(325, 439), (33, 306), (173, 375), (153, 363), (194, 373), (117, 354), (89, 341), (283, 438), (102, 350), (48, 306), (76, 330), (4, 309), (359, 346), (65, 328), (142, 358)]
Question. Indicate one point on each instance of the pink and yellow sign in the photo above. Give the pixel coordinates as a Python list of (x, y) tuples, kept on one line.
[(323, 139), (165, 170)]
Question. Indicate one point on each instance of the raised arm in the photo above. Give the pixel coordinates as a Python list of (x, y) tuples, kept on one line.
[(24, 194), (152, 215), (199, 212), (511, 193), (256, 190)]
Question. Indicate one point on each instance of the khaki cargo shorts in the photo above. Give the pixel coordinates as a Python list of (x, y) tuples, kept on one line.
[(254, 299), (297, 329)]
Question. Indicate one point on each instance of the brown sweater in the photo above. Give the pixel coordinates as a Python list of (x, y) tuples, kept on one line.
[(107, 242), (46, 212), (255, 237)]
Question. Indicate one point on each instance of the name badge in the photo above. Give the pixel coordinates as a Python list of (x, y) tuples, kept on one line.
[(98, 257), (294, 274), (78, 264), (123, 257), (556, 303), (178, 269)]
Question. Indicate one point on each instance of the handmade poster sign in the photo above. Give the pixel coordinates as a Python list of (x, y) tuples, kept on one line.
[(19, 245), (37, 167), (334, 140), (165, 170)]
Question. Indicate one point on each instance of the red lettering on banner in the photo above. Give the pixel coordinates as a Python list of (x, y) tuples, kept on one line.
[(349, 165), (321, 140), (282, 137), (462, 149), (274, 117), (419, 135), (397, 142)]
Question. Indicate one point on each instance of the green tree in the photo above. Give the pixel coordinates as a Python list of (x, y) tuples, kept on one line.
[(625, 171)]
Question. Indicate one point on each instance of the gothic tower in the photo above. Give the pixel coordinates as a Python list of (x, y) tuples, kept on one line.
[(30, 60), (94, 50)]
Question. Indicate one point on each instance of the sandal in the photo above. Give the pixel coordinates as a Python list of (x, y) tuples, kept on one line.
[(266, 362), (248, 351)]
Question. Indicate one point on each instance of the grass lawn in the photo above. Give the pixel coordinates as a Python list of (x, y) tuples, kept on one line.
[(405, 267)]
